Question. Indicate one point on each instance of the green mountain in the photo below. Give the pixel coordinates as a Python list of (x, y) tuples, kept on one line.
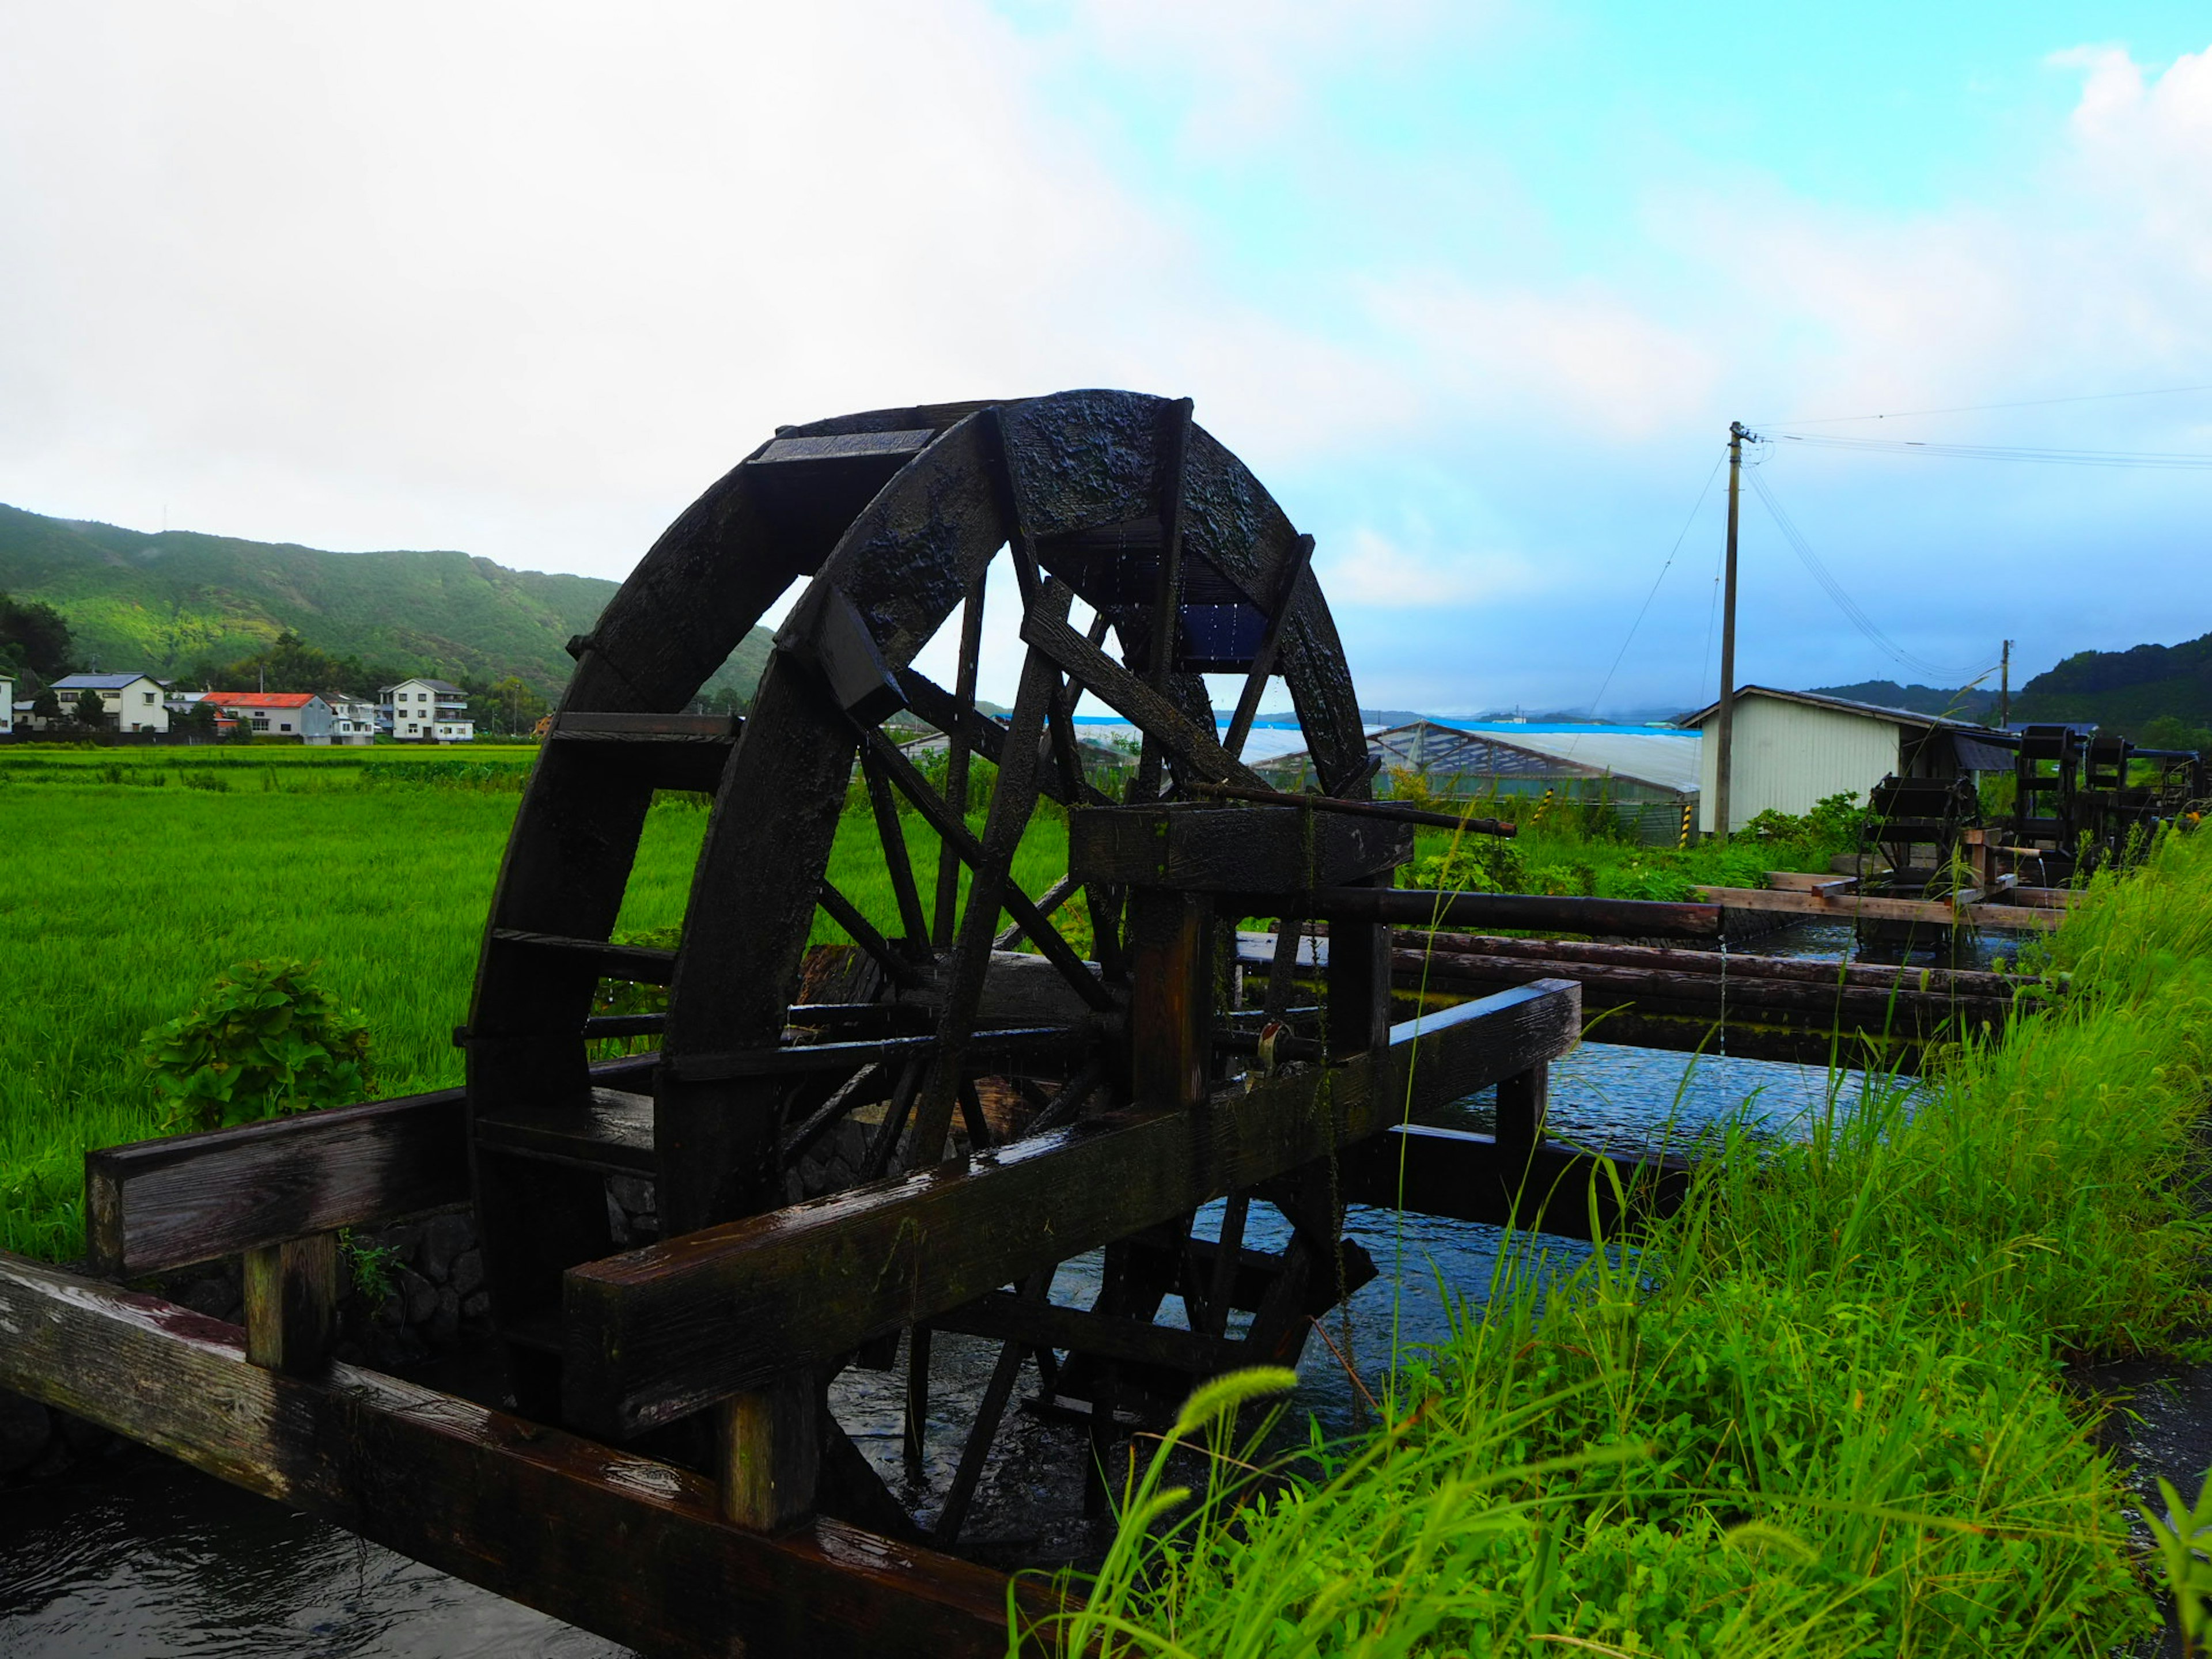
[(1975, 703), (161, 602), (2125, 690)]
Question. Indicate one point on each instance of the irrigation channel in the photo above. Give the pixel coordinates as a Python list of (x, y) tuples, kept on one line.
[(132, 1554)]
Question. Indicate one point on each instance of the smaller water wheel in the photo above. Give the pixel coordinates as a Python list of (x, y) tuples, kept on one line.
[(911, 1137)]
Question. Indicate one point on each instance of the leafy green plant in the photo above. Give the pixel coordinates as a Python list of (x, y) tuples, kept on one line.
[(264, 1040), (374, 1268)]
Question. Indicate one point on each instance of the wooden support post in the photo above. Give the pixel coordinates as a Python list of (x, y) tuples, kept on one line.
[(771, 1454), (291, 1303), (1521, 1102), (1359, 981), (1170, 1001)]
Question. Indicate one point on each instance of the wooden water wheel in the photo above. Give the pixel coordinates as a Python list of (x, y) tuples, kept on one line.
[(1112, 500)]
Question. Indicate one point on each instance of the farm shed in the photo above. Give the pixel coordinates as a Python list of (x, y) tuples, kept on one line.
[(1793, 749), (1633, 765)]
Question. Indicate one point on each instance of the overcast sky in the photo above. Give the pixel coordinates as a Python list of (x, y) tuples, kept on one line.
[(1474, 289)]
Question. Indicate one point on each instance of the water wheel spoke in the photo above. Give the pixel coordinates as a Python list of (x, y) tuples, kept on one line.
[(913, 1439), (1012, 802), (1053, 897), (989, 1412), (846, 916), (955, 761), (885, 1145), (857, 1091), (1056, 949), (892, 837), (1067, 1105), (1222, 1285), (1194, 749), (1263, 660)]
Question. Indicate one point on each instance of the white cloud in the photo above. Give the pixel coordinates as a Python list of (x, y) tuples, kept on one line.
[(1376, 571)]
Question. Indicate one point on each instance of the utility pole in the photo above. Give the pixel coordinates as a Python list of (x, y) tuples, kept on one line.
[(1724, 725), (2004, 686)]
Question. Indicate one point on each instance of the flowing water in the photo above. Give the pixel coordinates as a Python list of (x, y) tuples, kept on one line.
[(137, 1556)]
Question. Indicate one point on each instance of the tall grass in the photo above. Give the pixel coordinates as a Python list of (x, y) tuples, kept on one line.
[(1832, 1388)]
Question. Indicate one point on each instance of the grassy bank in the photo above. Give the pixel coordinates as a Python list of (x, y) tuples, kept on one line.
[(1823, 1411)]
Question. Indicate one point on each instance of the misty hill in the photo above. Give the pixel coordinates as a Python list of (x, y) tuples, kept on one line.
[(1977, 703), (2124, 691), (160, 603)]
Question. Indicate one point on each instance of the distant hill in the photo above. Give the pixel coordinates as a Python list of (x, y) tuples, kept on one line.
[(1975, 704), (2125, 690), (160, 603)]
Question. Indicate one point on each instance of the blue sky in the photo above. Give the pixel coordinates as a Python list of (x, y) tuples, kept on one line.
[(1476, 289)]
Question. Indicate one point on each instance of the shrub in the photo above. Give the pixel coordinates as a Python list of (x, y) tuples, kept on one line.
[(264, 1040)]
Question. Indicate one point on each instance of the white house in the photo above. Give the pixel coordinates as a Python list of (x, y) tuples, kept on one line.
[(425, 711), (7, 707), (353, 722), (300, 715), (1793, 749), (134, 702)]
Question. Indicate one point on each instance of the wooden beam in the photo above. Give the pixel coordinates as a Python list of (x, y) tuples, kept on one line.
[(660, 1333), (771, 1454), (1550, 1188), (634, 1550), (1854, 907), (292, 1302), (1197, 753), (1416, 907), (160, 1204)]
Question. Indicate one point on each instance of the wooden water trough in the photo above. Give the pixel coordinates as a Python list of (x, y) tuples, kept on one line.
[(662, 1466)]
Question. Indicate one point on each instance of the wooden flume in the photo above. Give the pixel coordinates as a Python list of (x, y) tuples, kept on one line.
[(666, 1471)]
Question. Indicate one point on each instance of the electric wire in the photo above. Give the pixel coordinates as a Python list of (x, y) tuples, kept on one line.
[(2115, 458), (1977, 409), (1605, 684), (1835, 592)]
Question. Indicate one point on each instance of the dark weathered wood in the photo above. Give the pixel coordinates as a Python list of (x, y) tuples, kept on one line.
[(1408, 907), (714, 730), (1017, 903), (771, 1454), (1045, 1325), (1195, 750), (1521, 1102), (858, 928), (292, 1302), (988, 1411), (1013, 800), (162, 1204), (1170, 997), (659, 1332), (611, 1130), (1737, 965), (1263, 661), (630, 1548), (1550, 1188), (1229, 849), (1167, 597), (1050, 901), (892, 839), (635, 963), (1857, 1006)]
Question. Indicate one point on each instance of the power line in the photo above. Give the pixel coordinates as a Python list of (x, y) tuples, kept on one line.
[(1843, 600), (1605, 684), (2120, 457), (1977, 409)]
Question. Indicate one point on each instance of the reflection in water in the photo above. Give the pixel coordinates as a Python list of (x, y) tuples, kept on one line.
[(144, 1558)]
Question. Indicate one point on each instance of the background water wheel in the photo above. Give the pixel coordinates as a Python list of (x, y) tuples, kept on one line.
[(1143, 554)]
